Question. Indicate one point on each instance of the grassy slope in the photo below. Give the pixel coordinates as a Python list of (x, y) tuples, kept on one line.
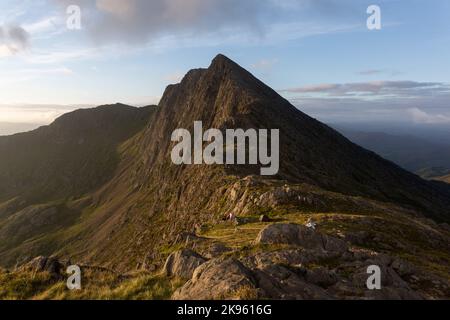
[(396, 233)]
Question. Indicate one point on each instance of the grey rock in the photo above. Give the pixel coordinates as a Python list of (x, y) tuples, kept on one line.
[(183, 263), (44, 264), (216, 279), (294, 234), (280, 282), (321, 277)]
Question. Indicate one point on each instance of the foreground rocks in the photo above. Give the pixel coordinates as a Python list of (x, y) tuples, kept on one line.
[(308, 265)]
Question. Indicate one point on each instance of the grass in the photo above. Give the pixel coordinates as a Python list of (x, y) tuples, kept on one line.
[(96, 285)]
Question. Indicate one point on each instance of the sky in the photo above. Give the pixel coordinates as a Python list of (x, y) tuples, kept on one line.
[(319, 54)]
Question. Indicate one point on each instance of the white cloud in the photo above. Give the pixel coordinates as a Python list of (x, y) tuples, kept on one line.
[(373, 89), (41, 114), (420, 116), (42, 26), (265, 64)]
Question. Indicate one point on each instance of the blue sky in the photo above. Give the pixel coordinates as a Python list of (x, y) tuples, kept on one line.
[(317, 53)]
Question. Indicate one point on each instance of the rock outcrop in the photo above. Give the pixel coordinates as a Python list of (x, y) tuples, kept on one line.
[(44, 264), (219, 278), (298, 235), (183, 263)]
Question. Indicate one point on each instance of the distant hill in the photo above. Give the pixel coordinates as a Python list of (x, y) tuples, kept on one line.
[(73, 155), (415, 154)]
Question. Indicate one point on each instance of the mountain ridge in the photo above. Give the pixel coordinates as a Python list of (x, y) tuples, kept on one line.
[(147, 202)]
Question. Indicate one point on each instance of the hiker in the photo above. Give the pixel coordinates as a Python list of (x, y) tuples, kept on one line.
[(311, 224), (232, 217)]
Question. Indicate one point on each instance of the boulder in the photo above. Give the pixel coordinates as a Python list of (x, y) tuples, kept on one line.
[(183, 263), (298, 235), (217, 279)]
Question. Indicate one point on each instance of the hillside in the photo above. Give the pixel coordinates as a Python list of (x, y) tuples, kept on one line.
[(72, 156), (415, 154), (143, 207)]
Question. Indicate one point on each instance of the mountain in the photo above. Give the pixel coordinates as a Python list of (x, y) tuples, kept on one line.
[(73, 155), (98, 187), (412, 153)]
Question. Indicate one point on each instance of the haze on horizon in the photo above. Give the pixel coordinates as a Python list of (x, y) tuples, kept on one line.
[(318, 54)]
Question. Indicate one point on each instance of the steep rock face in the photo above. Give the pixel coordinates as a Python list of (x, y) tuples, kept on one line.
[(227, 96)]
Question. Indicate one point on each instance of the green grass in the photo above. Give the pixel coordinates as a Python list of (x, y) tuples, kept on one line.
[(96, 285)]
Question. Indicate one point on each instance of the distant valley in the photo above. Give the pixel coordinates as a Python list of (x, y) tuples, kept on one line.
[(428, 157)]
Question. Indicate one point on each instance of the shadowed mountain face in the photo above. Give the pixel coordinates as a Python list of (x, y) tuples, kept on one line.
[(227, 96), (75, 154), (121, 206), (418, 155)]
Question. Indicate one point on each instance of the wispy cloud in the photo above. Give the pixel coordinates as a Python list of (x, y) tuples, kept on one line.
[(374, 100), (40, 114), (420, 116), (264, 64), (374, 88), (377, 72)]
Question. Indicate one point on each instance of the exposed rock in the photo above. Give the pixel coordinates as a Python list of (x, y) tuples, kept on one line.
[(291, 257), (279, 282), (183, 263), (217, 279), (403, 268), (294, 234), (321, 277), (44, 264)]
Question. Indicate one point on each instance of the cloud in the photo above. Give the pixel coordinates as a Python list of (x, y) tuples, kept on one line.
[(372, 72), (374, 88), (420, 116), (264, 64), (13, 39), (382, 101), (41, 114), (138, 21)]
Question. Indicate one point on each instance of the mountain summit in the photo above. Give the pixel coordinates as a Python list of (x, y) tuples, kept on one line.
[(140, 205)]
